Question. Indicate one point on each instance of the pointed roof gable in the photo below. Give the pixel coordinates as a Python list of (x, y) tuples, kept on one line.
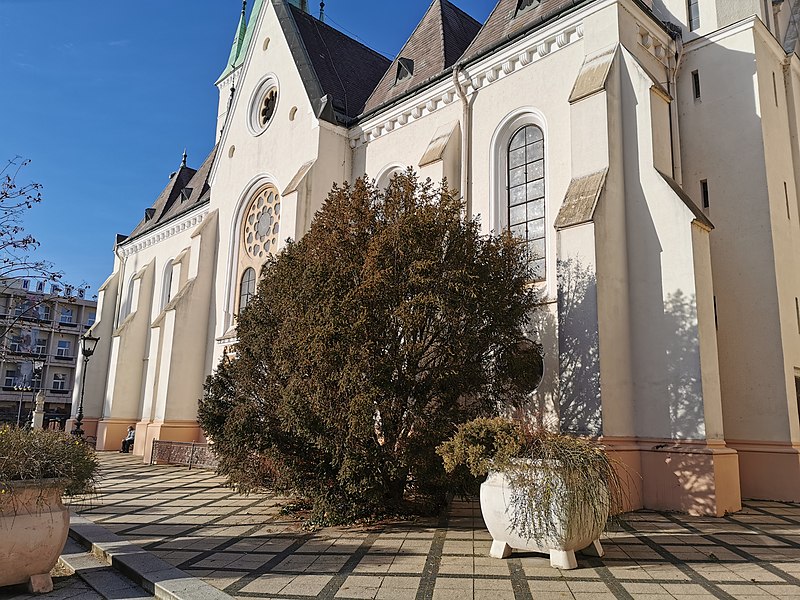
[(513, 17), (338, 72), (438, 41), (186, 189)]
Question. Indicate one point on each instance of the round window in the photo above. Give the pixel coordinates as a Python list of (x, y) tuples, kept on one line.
[(263, 105), (262, 224)]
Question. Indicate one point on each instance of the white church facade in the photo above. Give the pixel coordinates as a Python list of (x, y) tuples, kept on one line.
[(647, 150)]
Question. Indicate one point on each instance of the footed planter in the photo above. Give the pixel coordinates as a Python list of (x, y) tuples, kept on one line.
[(565, 539), (33, 530)]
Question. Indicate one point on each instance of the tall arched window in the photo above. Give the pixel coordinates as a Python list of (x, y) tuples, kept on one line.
[(166, 290), (526, 211), (127, 302), (247, 288)]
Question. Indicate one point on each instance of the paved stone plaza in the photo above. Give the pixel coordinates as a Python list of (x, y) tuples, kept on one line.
[(245, 547)]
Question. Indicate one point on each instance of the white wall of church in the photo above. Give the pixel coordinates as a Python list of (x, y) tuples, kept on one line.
[(751, 349), (247, 162)]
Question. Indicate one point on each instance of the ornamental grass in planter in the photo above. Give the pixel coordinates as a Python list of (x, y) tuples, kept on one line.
[(36, 468), (544, 491)]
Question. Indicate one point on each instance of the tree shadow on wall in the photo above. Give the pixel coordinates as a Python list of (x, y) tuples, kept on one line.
[(676, 382), (578, 350), (684, 384)]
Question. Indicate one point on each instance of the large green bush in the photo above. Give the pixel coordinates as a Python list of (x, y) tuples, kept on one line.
[(389, 323)]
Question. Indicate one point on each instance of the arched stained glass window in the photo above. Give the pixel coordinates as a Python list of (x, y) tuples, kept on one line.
[(526, 194), (247, 288)]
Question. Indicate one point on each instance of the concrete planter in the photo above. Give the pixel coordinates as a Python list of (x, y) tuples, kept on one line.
[(33, 530), (496, 498)]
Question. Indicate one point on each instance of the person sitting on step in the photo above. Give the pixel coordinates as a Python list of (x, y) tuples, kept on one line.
[(127, 443)]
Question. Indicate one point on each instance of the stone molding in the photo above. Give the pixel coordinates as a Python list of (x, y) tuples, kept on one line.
[(166, 231)]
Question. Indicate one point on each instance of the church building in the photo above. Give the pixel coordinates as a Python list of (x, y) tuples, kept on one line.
[(647, 151)]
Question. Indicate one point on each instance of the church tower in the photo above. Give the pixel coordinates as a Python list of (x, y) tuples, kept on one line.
[(226, 83)]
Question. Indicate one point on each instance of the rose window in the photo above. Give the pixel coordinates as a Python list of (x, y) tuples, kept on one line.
[(262, 225)]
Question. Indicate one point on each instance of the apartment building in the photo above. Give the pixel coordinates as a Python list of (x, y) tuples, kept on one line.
[(42, 323)]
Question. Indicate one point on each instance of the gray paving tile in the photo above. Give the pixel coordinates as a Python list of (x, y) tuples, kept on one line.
[(245, 545)]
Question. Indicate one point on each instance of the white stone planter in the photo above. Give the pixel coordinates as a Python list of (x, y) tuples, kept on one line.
[(33, 530), (566, 539)]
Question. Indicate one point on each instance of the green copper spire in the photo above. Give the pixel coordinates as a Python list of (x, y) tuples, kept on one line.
[(248, 36), (241, 41), (238, 46)]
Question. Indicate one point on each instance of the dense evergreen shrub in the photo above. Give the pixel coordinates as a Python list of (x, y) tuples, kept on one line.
[(389, 323)]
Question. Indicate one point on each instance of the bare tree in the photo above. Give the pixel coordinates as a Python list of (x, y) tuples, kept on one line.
[(17, 247)]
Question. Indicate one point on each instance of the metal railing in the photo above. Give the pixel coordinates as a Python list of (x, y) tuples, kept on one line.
[(189, 454)]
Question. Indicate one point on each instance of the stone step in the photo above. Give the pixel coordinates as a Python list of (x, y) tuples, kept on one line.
[(103, 579), (154, 575)]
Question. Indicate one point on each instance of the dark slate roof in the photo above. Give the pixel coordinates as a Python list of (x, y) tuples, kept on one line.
[(338, 72), (171, 203), (504, 23), (435, 45)]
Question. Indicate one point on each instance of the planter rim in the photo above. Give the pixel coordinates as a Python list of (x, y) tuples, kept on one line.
[(34, 483)]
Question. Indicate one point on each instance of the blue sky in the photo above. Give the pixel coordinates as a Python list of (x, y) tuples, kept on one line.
[(103, 96)]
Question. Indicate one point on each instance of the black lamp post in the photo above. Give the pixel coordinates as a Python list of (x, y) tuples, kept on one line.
[(88, 344)]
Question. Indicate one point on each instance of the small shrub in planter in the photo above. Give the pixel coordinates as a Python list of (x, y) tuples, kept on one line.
[(544, 491), (36, 468)]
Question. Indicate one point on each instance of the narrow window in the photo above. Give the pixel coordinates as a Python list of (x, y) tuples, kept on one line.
[(66, 315), (797, 392), (247, 289), (797, 310), (716, 318), (166, 291), (64, 349), (694, 14), (775, 88), (704, 193), (696, 84), (786, 195), (526, 194)]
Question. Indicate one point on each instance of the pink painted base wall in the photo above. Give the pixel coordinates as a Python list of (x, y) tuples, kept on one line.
[(111, 432), (769, 470), (694, 478)]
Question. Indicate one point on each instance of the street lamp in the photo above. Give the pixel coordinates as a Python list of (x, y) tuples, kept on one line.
[(88, 344)]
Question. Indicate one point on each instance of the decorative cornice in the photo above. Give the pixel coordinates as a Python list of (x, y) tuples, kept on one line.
[(656, 43), (480, 75), (169, 229)]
